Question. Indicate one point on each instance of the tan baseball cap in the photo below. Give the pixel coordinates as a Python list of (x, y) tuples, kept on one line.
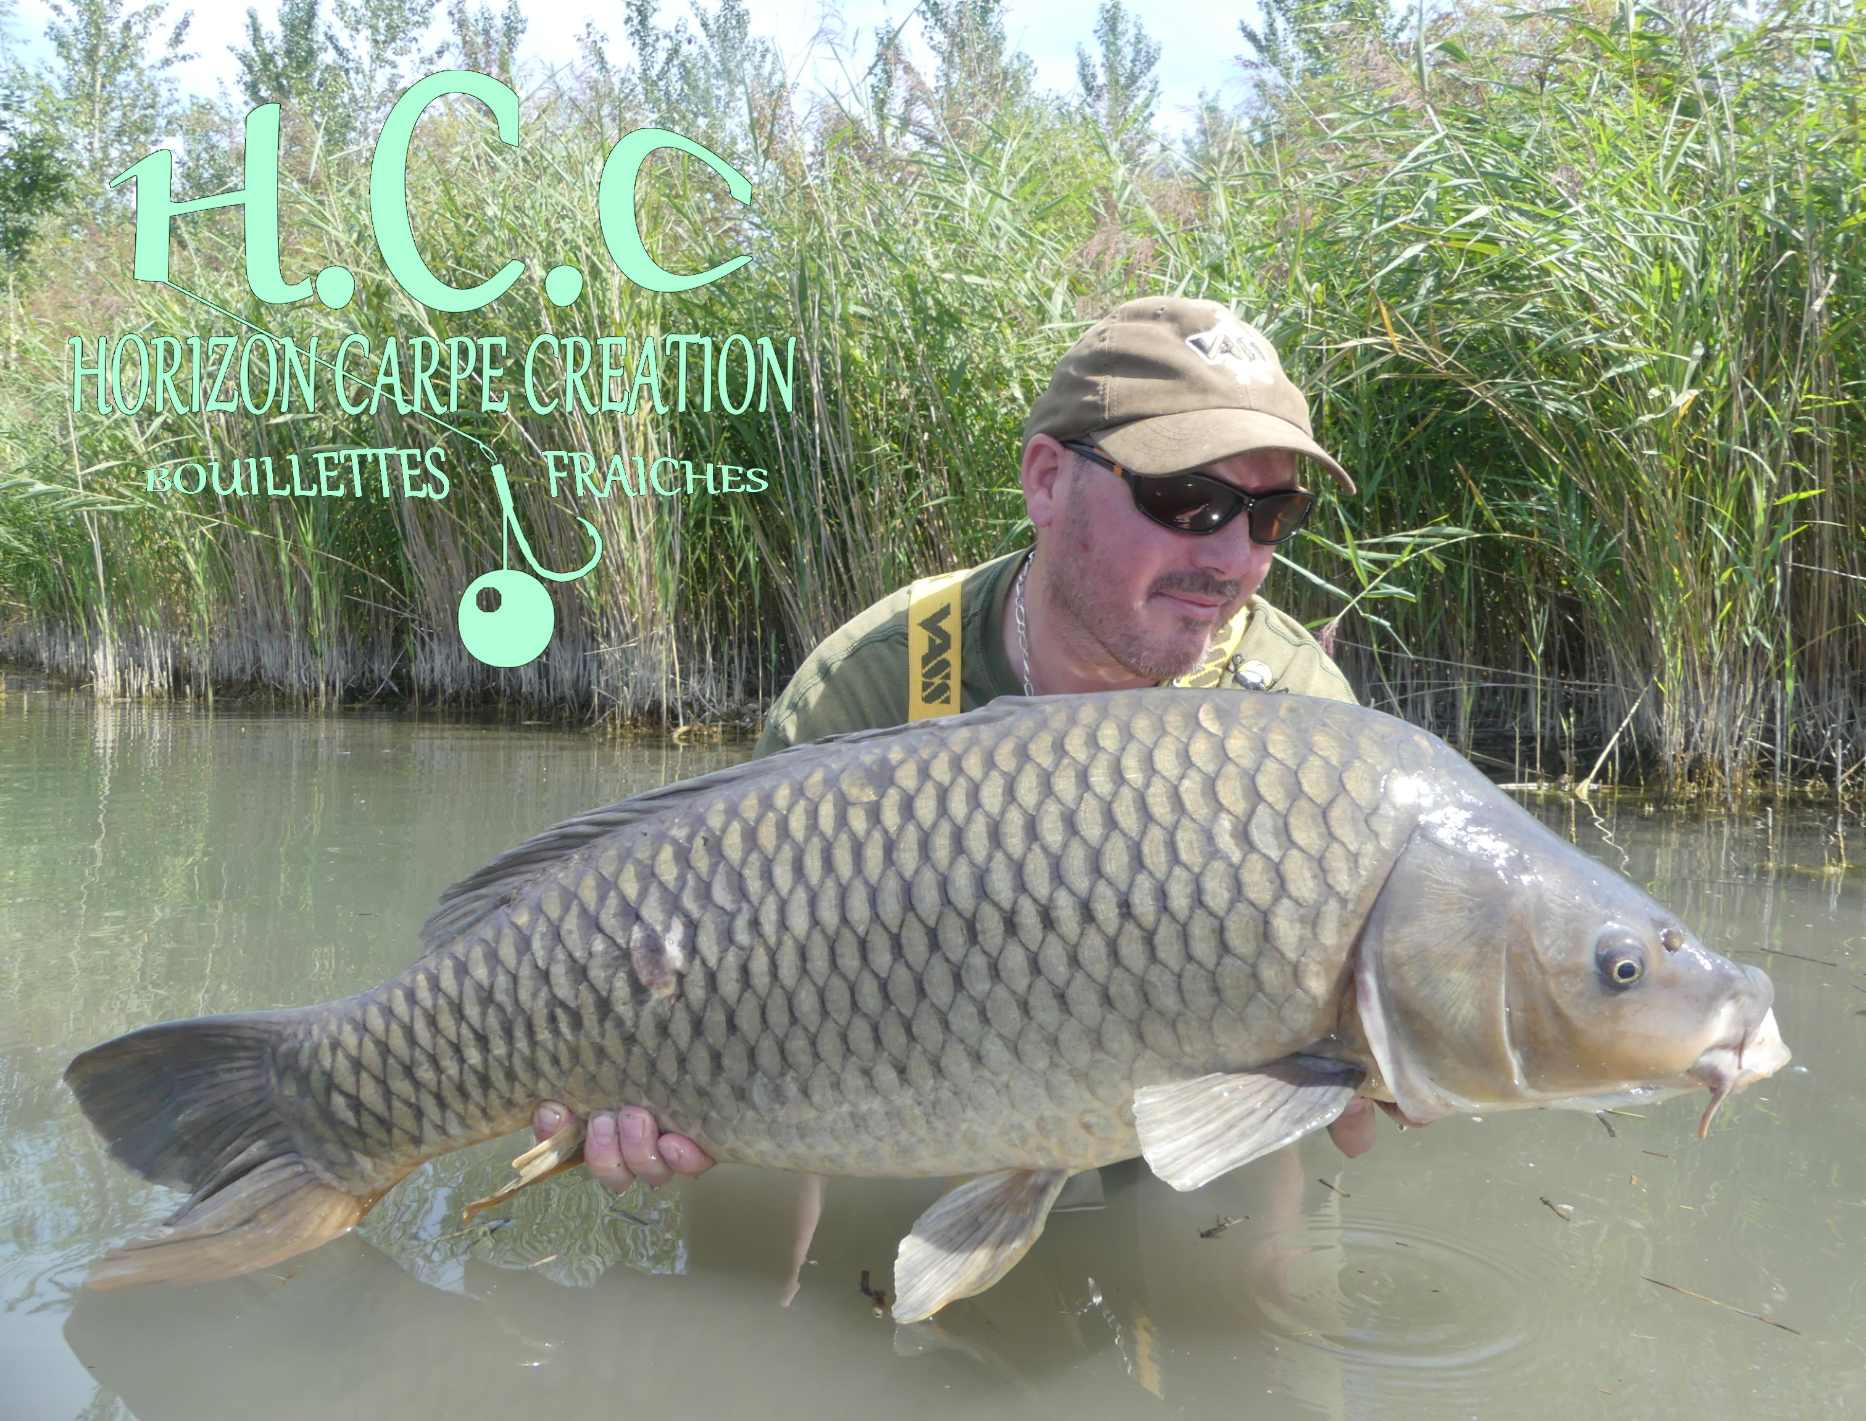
[(1165, 384)]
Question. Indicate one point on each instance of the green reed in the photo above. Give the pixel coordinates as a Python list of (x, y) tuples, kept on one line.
[(1577, 297), (1590, 291)]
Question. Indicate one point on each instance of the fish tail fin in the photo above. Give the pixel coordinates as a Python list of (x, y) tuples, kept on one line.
[(190, 1104), (277, 1211)]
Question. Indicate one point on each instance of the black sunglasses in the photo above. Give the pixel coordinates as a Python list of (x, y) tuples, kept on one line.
[(1200, 504)]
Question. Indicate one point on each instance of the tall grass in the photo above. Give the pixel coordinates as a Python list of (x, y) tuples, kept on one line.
[(1591, 288), (1577, 296)]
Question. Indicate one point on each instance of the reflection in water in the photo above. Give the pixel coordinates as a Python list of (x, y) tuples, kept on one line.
[(347, 1332), (157, 863)]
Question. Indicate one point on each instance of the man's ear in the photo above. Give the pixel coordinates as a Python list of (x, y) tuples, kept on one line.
[(1045, 477)]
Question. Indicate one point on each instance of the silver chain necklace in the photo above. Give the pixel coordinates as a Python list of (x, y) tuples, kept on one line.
[(1023, 633)]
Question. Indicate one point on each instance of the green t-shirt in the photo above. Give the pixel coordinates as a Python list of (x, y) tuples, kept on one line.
[(856, 679)]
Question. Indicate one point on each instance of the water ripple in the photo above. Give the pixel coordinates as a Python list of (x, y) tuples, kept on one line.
[(1395, 1306)]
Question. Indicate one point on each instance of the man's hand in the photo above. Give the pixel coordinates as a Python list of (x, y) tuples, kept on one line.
[(624, 1145), (1353, 1130)]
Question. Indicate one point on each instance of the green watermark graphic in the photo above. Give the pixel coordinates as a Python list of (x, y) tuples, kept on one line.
[(156, 208), (516, 630), (506, 617)]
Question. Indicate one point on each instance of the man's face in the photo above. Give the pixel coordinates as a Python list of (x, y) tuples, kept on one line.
[(1153, 597)]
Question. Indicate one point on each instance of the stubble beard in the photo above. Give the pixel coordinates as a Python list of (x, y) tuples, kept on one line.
[(1083, 598)]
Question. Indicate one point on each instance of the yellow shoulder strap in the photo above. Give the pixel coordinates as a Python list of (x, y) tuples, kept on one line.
[(934, 645), (1211, 671)]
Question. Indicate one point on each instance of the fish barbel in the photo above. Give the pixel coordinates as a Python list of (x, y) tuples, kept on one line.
[(1013, 944)]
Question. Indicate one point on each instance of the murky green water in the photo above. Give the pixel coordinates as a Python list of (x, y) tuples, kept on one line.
[(157, 863)]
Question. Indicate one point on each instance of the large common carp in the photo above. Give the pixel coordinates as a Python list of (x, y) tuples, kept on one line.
[(1046, 935)]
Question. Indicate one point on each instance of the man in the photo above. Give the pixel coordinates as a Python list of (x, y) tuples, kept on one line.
[(1160, 470)]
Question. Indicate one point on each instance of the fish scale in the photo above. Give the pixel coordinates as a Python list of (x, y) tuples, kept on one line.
[(1013, 944), (984, 941)]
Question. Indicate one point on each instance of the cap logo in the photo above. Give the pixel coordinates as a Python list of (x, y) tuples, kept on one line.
[(1229, 344)]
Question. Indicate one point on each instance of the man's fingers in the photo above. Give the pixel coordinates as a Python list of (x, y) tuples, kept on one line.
[(641, 1146), (602, 1153), (548, 1119), (683, 1156), (625, 1144), (1353, 1132)]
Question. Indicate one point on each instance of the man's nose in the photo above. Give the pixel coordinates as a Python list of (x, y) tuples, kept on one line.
[(1230, 553)]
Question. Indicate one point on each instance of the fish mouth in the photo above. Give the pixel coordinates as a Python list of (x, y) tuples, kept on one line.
[(1727, 1068)]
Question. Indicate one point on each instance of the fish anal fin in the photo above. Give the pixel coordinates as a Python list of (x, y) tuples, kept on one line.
[(277, 1211), (1193, 1131), (971, 1237), (560, 1152)]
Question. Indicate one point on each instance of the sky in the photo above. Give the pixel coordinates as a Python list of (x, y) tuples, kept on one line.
[(1199, 41)]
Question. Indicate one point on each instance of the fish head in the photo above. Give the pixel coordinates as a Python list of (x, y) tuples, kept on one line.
[(1500, 967)]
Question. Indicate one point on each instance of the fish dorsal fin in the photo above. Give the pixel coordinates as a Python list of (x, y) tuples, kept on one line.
[(971, 1237), (1193, 1131), (503, 880)]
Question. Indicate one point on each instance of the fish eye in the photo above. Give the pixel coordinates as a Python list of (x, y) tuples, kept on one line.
[(1620, 959)]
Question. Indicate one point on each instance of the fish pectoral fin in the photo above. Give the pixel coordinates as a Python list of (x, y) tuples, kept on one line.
[(971, 1237), (560, 1152), (1193, 1131)]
